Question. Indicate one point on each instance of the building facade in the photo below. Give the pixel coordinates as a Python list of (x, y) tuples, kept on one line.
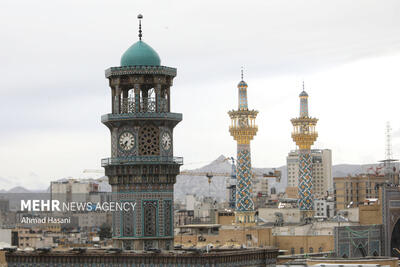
[(324, 208), (322, 170), (359, 241), (353, 191), (258, 257)]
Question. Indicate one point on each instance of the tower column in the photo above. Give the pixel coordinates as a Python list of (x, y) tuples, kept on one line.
[(157, 90), (113, 100), (244, 204), (305, 187), (145, 100), (168, 96), (243, 129), (137, 97), (304, 135), (117, 99)]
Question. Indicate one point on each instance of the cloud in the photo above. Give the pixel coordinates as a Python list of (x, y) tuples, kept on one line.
[(54, 90), (396, 134)]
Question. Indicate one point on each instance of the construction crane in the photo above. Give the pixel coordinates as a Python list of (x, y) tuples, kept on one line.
[(231, 184), (276, 174)]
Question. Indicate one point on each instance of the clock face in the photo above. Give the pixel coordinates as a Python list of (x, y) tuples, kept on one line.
[(166, 141), (126, 141)]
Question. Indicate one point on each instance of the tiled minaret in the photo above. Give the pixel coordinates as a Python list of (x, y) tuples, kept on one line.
[(243, 129), (304, 135)]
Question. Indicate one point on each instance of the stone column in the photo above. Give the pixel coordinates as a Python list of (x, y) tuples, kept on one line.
[(157, 89), (169, 99), (118, 100), (145, 100), (137, 97), (125, 108), (113, 100)]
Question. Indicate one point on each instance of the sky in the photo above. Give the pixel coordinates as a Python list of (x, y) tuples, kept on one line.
[(53, 91)]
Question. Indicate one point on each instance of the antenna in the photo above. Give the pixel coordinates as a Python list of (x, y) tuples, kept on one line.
[(389, 164), (388, 145)]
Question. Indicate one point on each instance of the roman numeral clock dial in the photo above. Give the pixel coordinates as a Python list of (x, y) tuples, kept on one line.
[(166, 141), (126, 141)]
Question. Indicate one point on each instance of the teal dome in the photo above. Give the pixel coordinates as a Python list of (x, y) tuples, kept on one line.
[(140, 54)]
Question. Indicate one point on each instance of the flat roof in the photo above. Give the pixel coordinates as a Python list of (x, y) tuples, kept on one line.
[(199, 226)]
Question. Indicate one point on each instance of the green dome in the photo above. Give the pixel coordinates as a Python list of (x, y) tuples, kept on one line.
[(140, 54)]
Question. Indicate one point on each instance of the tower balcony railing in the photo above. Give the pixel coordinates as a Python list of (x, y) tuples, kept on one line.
[(141, 160), (247, 127), (149, 104)]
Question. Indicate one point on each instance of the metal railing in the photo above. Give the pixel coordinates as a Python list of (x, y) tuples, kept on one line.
[(149, 104), (141, 159)]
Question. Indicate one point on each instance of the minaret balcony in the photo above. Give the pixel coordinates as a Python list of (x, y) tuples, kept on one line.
[(129, 105), (243, 130), (142, 160)]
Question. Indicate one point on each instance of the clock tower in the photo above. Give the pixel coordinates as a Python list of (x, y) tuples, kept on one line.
[(142, 169)]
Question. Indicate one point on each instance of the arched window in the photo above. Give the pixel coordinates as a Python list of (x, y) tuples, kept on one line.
[(150, 217), (320, 249), (311, 249)]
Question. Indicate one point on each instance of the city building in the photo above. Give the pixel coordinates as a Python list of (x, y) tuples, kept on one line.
[(191, 201), (260, 187), (31, 238), (322, 170), (280, 216), (324, 208), (183, 217), (204, 211), (71, 190), (353, 191)]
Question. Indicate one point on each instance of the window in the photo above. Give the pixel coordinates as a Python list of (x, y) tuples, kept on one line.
[(320, 249), (311, 249), (292, 251), (301, 250), (150, 217)]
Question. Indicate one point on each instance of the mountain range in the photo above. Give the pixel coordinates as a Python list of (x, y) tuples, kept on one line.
[(191, 183)]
